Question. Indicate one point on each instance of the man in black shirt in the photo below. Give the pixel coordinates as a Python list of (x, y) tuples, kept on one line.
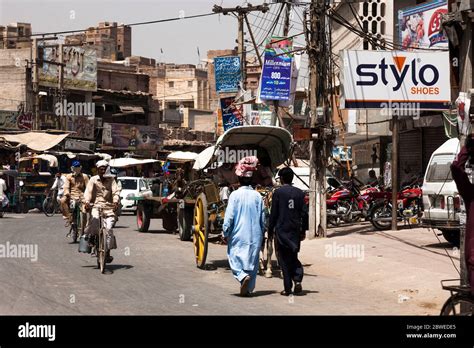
[(288, 222)]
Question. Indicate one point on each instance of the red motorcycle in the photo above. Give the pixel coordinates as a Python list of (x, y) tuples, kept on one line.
[(350, 203), (409, 209)]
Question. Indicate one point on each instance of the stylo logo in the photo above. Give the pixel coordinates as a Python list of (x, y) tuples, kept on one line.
[(426, 74)]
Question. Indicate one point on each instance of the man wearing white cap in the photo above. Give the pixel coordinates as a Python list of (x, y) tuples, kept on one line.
[(103, 191), (244, 224)]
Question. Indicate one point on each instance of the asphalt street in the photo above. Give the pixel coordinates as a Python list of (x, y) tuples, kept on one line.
[(154, 273)]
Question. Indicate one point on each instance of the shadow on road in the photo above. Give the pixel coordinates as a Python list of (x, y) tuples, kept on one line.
[(442, 245), (217, 264), (158, 232), (110, 268), (306, 292)]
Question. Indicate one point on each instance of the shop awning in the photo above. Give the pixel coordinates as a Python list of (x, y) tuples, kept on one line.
[(129, 162), (36, 141), (182, 156), (53, 160)]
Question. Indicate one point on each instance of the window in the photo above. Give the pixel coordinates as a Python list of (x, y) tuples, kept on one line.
[(128, 184), (190, 83), (440, 168), (171, 84)]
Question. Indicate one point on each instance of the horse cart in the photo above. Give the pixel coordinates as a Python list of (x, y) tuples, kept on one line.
[(160, 200), (215, 166)]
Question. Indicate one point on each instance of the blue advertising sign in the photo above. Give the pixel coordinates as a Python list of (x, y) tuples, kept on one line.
[(276, 74), (231, 114), (227, 73)]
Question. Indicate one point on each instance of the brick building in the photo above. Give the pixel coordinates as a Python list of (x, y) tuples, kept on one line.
[(112, 41), (15, 36)]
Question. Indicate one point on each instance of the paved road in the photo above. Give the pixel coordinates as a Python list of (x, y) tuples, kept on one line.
[(154, 273)]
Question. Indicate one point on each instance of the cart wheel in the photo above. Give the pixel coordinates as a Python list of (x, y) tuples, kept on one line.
[(143, 218), (185, 220), (200, 230), (170, 221)]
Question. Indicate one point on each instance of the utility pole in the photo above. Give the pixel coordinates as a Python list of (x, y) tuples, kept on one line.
[(395, 127), (35, 83), (241, 48), (317, 52), (63, 118), (286, 28), (241, 13)]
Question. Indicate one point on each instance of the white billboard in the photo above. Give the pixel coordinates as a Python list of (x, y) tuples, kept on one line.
[(396, 79)]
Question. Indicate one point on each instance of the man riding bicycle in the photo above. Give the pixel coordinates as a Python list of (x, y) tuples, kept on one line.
[(74, 186), (102, 192)]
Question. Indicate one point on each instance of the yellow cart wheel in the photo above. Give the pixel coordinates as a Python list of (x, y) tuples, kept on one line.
[(200, 230)]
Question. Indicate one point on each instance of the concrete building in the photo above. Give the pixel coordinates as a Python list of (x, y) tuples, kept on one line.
[(13, 77), (15, 36), (182, 85), (123, 94), (112, 41)]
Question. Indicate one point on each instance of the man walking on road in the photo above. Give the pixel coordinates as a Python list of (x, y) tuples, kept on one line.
[(288, 222), (243, 228)]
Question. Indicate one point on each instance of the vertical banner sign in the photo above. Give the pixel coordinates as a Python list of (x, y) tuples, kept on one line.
[(398, 82), (276, 73), (231, 115), (420, 26), (227, 73)]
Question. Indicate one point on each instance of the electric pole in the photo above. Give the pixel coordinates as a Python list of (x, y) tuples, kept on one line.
[(317, 52), (395, 137), (241, 13), (286, 28)]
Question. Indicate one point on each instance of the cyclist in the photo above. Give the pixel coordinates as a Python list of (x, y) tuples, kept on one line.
[(102, 191), (74, 186), (58, 185)]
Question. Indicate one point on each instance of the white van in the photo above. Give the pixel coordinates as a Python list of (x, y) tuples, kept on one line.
[(441, 201)]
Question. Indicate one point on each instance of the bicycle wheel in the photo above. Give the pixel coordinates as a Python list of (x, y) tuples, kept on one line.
[(459, 304), (101, 250), (48, 206), (73, 232)]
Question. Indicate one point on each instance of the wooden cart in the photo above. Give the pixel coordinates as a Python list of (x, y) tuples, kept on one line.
[(209, 211)]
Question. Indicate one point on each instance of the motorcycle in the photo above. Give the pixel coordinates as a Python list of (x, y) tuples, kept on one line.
[(409, 209), (346, 204)]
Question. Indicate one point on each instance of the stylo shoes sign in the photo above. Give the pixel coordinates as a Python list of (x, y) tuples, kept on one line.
[(371, 79)]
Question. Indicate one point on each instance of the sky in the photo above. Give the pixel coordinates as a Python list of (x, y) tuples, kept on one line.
[(178, 40)]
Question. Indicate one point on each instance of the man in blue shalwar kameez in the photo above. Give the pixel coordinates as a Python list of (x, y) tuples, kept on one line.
[(244, 224)]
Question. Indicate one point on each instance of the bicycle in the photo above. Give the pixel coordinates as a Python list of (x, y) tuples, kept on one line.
[(51, 204), (77, 225), (99, 241), (461, 301)]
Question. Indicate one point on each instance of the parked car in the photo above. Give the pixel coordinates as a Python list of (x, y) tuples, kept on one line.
[(131, 186), (441, 200)]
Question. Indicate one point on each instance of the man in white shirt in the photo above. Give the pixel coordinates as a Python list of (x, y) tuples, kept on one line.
[(59, 185), (3, 193)]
